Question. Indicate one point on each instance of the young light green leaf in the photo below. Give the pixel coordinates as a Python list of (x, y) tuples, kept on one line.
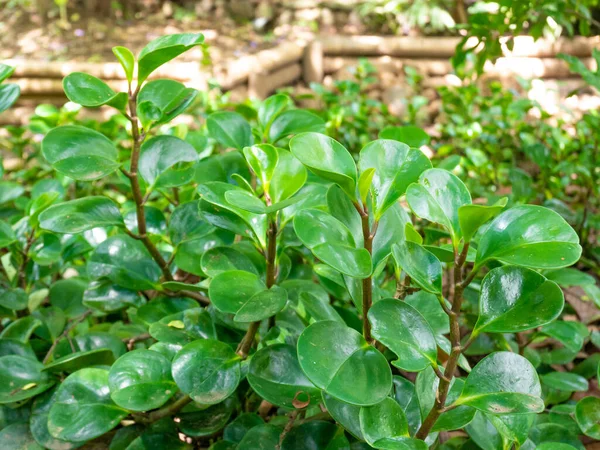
[(396, 167), (126, 59), (294, 121), (410, 135), (92, 92), (326, 158), (471, 217)]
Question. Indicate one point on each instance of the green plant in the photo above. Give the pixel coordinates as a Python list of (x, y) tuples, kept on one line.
[(180, 297)]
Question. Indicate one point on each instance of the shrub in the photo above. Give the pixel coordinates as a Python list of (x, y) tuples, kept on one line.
[(278, 295)]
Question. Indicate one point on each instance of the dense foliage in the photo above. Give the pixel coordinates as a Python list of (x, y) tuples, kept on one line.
[(257, 285)]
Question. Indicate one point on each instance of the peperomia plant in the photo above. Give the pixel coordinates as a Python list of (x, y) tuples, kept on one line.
[(277, 293)]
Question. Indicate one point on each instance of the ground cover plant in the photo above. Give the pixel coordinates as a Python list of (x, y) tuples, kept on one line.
[(258, 285)]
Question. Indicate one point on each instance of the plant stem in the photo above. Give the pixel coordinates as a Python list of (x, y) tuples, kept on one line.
[(452, 363), (23, 268), (367, 283), (64, 334), (246, 343), (138, 138), (165, 411)]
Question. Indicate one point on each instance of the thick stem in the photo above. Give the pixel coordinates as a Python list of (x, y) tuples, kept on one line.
[(452, 363), (367, 283), (246, 343)]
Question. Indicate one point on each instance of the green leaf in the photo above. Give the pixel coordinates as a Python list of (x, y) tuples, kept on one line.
[(294, 121), (396, 167), (230, 129), (471, 217), (245, 295), (410, 135), (9, 93), (503, 383), (565, 381), (107, 297), (570, 334), (207, 370), (80, 153), (92, 92), (22, 378), (184, 327), (38, 423), (83, 409), (156, 309), (261, 437), (78, 360), (186, 223), (570, 277), (326, 158), (160, 154), (332, 242), (5, 71), (404, 331), (10, 191), (170, 97), (530, 236), (163, 49), (271, 108), (345, 414), (587, 414), (315, 435), (7, 235), (15, 299), (245, 201), (288, 178), (420, 264), (222, 259), (235, 431), (383, 420), (21, 329), (77, 216), (127, 60), (141, 380), (338, 360), (126, 262), (18, 436), (275, 375), (262, 158), (514, 299), (437, 197)]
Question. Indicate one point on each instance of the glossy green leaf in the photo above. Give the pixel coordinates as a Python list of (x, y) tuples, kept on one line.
[(92, 92), (275, 375), (207, 370), (570, 334), (222, 259), (23, 378), (160, 307), (261, 437), (141, 380), (587, 414), (288, 178), (163, 49), (272, 107), (516, 299), (403, 330), (530, 236), (18, 436), (186, 223), (326, 158), (15, 299), (294, 121), (565, 381), (437, 197), (80, 215), (396, 166), (80, 153), (409, 135), (420, 264), (245, 295), (9, 93), (503, 383), (160, 154), (78, 360), (246, 201), (471, 217), (107, 297), (332, 242), (7, 235), (184, 327), (354, 372), (38, 423), (383, 420), (10, 191), (126, 59), (169, 97), (5, 71), (345, 414), (262, 158), (126, 262), (230, 129), (83, 409), (21, 329), (315, 435)]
